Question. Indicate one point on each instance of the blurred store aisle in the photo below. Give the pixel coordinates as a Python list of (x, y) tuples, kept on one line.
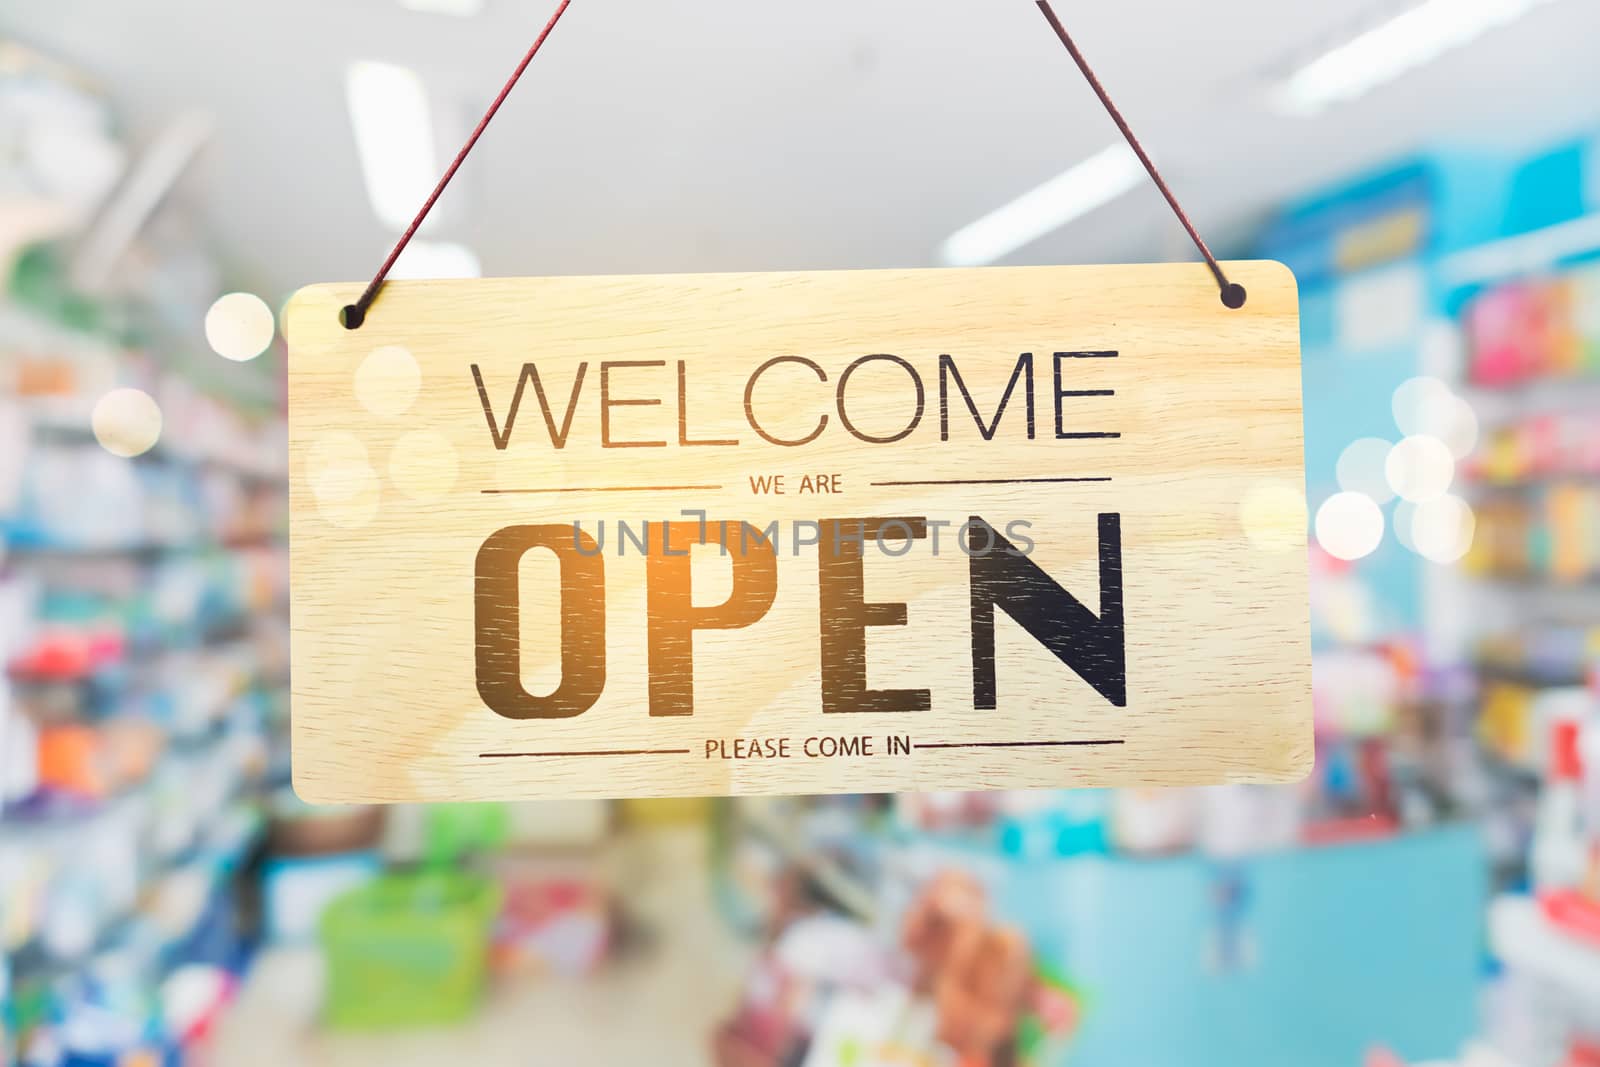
[(1429, 170), (662, 997)]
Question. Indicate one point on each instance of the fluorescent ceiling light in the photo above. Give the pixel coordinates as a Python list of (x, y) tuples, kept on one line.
[(1091, 184), (394, 138), (445, 7), (437, 259), (1411, 39)]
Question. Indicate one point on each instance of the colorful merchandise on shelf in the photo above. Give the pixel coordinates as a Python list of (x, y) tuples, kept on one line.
[(1544, 656), (556, 919), (1360, 691), (1551, 944), (143, 648), (953, 989), (1549, 532), (1537, 448), (1535, 329)]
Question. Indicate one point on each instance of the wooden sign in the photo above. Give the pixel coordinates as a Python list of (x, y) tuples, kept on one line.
[(798, 533)]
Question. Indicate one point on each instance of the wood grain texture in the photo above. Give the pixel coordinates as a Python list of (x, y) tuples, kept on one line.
[(1152, 440)]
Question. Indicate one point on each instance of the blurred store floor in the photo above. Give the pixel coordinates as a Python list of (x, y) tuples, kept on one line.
[(661, 998)]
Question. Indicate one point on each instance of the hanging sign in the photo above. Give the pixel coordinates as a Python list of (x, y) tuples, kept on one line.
[(798, 533)]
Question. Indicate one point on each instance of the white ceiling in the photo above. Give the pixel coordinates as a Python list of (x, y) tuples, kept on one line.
[(667, 135)]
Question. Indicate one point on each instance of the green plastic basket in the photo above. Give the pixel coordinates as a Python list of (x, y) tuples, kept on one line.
[(408, 950)]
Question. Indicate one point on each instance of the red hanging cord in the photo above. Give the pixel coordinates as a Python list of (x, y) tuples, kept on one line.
[(353, 315), (1233, 295)]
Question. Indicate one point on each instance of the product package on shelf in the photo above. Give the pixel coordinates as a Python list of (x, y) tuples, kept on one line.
[(1549, 938), (1533, 353), (1537, 329)]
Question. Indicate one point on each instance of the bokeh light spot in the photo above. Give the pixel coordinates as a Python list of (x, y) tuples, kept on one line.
[(240, 326), (1427, 407), (1361, 468), (1456, 424), (1414, 402), (337, 467), (1349, 525), (1405, 517), (1442, 529), (126, 422), (357, 506), (387, 381), (1420, 468), (1274, 517)]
